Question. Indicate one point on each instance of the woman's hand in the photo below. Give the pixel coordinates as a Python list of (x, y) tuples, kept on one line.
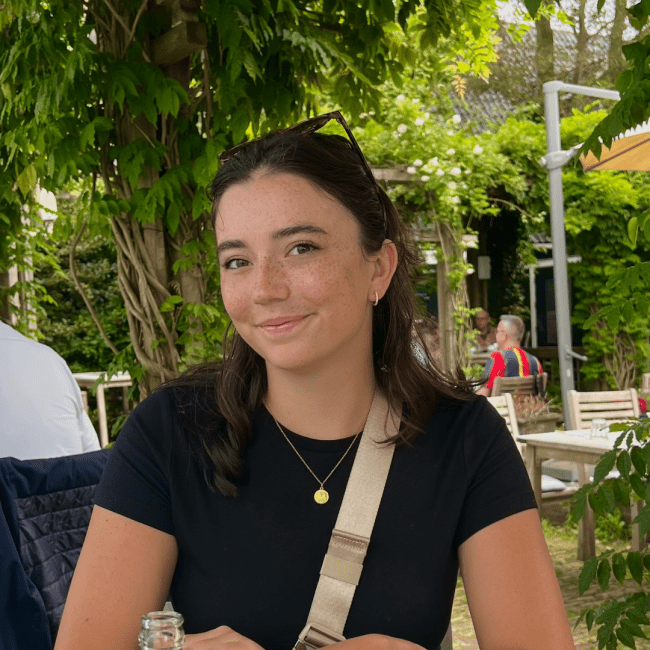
[(376, 642), (221, 638)]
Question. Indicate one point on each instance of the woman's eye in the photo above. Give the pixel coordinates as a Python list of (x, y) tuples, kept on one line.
[(235, 263), (301, 249)]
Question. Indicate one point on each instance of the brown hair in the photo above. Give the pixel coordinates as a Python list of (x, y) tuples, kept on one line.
[(239, 383)]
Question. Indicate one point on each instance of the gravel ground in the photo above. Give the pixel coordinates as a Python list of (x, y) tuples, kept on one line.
[(563, 545)]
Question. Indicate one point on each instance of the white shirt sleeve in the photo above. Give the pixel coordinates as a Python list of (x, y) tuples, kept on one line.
[(89, 438), (41, 409)]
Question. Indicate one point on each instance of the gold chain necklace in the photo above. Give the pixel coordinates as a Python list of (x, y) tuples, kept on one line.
[(321, 495)]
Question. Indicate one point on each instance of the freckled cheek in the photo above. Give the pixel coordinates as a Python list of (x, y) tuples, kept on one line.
[(234, 301), (328, 283)]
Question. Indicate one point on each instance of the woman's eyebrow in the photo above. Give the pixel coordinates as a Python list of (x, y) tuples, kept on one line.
[(229, 244), (307, 229), (290, 231)]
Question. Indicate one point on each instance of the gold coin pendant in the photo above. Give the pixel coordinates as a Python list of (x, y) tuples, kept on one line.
[(321, 496)]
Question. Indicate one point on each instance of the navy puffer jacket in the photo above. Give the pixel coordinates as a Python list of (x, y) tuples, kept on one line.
[(45, 509)]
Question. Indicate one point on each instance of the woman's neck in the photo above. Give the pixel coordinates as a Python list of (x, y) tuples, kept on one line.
[(329, 406)]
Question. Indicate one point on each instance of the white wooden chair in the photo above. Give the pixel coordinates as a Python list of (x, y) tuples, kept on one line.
[(505, 406), (645, 386), (531, 385), (614, 406)]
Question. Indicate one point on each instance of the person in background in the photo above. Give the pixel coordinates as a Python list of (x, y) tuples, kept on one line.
[(510, 360), (487, 334), (41, 410)]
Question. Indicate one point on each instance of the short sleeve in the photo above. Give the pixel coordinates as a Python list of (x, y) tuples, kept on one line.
[(497, 481), (89, 439), (135, 482)]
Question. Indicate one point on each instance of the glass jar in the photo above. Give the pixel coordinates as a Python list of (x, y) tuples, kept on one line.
[(161, 630), (599, 428)]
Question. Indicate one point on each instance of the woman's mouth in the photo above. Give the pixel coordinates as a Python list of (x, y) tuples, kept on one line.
[(282, 324)]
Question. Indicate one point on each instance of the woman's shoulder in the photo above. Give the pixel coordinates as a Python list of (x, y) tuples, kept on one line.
[(464, 416), (170, 403), (157, 405)]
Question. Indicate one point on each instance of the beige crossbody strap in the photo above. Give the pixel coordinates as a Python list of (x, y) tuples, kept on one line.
[(341, 570)]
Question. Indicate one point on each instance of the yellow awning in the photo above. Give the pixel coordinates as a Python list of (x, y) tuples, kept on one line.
[(627, 153)]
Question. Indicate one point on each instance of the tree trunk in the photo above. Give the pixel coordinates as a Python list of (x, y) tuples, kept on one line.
[(582, 37), (615, 61), (545, 53), (454, 322), (147, 252)]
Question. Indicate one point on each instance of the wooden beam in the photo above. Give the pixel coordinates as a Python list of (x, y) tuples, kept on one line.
[(179, 42), (181, 10), (393, 174)]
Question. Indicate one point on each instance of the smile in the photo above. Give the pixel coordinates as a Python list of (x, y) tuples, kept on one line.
[(283, 324)]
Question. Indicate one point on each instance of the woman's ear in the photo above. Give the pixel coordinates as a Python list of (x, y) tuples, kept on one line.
[(385, 265)]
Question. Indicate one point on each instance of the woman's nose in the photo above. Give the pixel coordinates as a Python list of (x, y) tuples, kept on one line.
[(270, 282)]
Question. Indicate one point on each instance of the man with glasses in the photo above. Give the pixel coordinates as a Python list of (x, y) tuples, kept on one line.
[(487, 334)]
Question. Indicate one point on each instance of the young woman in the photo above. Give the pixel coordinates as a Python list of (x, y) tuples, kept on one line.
[(209, 495)]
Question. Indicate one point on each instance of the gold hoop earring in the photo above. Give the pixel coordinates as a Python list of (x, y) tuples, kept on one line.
[(376, 299)]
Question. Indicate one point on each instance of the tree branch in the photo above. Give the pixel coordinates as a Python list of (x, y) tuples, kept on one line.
[(207, 73), (129, 39), (511, 205), (124, 25)]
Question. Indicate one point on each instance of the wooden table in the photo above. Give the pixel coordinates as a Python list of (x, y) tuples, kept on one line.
[(88, 380), (577, 447)]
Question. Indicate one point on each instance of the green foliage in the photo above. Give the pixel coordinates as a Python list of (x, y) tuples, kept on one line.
[(598, 207), (67, 325), (464, 178), (623, 620), (611, 526), (633, 84), (598, 229), (81, 95), (30, 251)]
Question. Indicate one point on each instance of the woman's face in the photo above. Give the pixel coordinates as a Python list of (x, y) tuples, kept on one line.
[(294, 278)]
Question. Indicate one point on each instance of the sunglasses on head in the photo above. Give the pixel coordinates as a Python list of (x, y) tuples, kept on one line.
[(307, 127)]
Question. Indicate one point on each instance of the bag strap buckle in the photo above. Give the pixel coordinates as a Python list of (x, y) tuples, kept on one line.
[(315, 636)]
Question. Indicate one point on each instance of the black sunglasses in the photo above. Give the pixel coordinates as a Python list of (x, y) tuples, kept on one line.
[(307, 127)]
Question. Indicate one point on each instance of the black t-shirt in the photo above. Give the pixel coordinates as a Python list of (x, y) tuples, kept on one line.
[(252, 562)]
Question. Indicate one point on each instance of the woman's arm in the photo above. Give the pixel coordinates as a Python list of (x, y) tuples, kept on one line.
[(512, 590), (124, 571)]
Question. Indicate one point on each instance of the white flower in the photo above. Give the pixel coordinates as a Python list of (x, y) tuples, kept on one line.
[(456, 119), (452, 185), (455, 200), (451, 152), (417, 163), (402, 128), (451, 132), (371, 113), (440, 172), (478, 150), (362, 115), (434, 161), (411, 170), (400, 98), (456, 171), (419, 121), (467, 171), (424, 178), (415, 101)]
